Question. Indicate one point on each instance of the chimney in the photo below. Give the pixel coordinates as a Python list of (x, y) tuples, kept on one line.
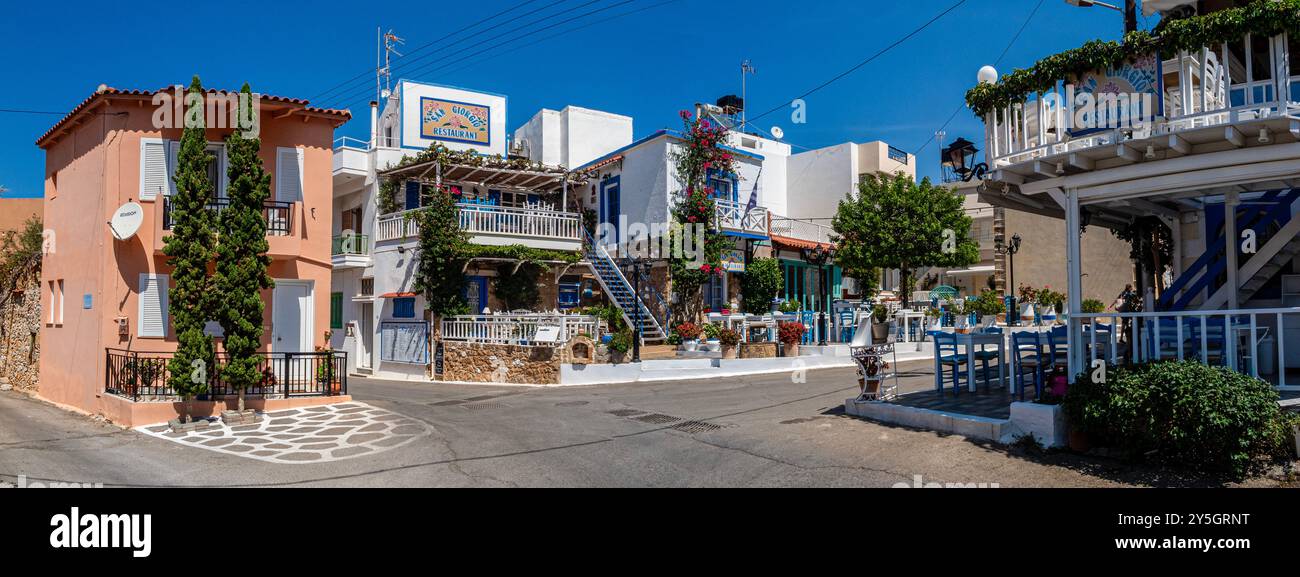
[(374, 124)]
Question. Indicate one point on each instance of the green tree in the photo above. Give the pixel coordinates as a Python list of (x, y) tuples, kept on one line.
[(441, 253), (242, 262), (189, 249), (760, 284), (893, 222)]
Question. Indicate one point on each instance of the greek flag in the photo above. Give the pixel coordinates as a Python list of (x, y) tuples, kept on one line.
[(753, 196)]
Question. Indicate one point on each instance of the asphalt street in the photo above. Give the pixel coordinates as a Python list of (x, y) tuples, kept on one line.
[(763, 431)]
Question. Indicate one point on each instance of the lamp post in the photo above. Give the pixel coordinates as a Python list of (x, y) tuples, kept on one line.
[(637, 265), (1011, 249), (1129, 10)]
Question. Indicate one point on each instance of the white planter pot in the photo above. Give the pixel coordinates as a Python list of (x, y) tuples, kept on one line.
[(711, 346), (690, 346), (1044, 422), (1027, 314), (1296, 431)]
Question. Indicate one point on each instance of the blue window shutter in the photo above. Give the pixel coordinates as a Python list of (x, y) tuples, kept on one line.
[(404, 308), (412, 194)]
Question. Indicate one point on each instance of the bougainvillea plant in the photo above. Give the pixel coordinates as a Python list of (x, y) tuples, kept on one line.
[(791, 333), (702, 152)]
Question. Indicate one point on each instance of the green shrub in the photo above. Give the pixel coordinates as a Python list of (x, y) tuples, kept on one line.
[(1183, 413), (710, 331), (1093, 306), (621, 342), (760, 284)]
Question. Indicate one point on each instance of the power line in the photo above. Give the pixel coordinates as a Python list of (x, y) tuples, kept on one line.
[(367, 72), (865, 62), (997, 62), (560, 33), (426, 65)]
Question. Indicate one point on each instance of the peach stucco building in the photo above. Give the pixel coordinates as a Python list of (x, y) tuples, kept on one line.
[(105, 300)]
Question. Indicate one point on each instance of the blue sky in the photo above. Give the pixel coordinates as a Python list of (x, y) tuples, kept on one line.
[(647, 65)]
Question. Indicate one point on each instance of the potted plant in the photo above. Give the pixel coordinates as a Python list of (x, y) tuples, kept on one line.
[(961, 322), (619, 346), (711, 343), (790, 334), (1092, 306), (690, 334), (790, 306), (879, 324), (987, 307), (729, 339), (1028, 302)]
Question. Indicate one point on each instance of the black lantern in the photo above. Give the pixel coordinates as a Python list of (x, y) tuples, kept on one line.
[(958, 159), (819, 256)]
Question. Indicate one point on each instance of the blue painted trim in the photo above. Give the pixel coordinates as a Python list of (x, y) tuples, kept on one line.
[(657, 134), (746, 235)]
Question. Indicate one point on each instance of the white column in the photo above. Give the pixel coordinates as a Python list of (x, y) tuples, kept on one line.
[(1074, 280), (1230, 238)]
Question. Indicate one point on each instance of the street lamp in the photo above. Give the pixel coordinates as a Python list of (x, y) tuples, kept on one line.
[(820, 256), (638, 268), (1129, 10), (959, 159)]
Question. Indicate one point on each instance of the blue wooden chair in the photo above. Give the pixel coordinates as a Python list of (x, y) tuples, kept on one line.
[(808, 318), (846, 325), (983, 355), (946, 351), (1027, 354), (1058, 340)]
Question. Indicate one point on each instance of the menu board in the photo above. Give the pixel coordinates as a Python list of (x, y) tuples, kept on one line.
[(404, 342)]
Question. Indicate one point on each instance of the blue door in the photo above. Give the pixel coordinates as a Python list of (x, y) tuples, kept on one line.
[(610, 203), (412, 195), (476, 288)]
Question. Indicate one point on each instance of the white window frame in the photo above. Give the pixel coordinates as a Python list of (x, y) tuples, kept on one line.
[(163, 290), (144, 194)]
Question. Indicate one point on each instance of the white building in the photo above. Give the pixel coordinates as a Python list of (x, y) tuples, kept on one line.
[(571, 137), (1216, 161)]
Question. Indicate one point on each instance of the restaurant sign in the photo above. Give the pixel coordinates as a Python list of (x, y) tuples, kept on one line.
[(733, 261), (455, 121)]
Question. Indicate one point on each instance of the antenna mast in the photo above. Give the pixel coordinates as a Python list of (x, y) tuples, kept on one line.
[(390, 48), (746, 68)]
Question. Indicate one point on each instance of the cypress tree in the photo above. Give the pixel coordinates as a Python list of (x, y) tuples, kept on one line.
[(189, 249), (241, 271)]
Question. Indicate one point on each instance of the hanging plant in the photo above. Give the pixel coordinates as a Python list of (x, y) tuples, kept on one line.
[(1189, 34)]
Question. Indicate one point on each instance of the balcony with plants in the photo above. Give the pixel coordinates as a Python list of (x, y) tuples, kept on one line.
[(1224, 80)]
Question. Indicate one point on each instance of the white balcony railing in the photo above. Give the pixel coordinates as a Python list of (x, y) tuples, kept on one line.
[(1202, 90), (801, 229), (520, 222), (516, 329), (733, 217), (1264, 343), (397, 226), (494, 221)]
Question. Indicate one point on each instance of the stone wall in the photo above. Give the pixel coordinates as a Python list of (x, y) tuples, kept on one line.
[(511, 364), (757, 350), (20, 325)]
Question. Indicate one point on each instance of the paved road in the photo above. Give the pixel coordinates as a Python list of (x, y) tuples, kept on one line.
[(758, 431)]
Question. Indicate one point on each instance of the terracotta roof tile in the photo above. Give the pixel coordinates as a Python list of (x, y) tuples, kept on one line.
[(343, 114)]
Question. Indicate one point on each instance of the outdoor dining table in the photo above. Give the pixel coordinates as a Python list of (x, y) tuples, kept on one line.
[(971, 342)]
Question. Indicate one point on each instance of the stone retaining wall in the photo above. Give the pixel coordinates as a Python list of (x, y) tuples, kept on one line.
[(757, 350), (511, 364), (20, 325)]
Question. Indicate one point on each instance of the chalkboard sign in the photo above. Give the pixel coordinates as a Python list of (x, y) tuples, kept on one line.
[(438, 355)]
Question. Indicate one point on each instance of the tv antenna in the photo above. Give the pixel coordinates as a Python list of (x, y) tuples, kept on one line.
[(746, 68), (390, 42)]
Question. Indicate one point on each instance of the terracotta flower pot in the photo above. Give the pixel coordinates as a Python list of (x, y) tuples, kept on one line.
[(730, 351), (792, 349), (1079, 442)]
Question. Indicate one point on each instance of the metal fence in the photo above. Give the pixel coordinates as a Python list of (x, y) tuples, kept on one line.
[(278, 214), (142, 376)]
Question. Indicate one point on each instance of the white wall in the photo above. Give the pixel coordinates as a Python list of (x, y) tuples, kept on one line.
[(773, 191), (818, 179), (574, 136)]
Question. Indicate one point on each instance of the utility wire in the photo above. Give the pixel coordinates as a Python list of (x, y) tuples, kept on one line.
[(558, 34), (426, 65), (996, 63), (859, 65), (368, 71)]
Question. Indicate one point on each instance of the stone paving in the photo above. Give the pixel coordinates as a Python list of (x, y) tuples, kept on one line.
[(307, 435)]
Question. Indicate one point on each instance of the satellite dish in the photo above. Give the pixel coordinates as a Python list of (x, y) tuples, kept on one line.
[(778, 133), (127, 220)]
